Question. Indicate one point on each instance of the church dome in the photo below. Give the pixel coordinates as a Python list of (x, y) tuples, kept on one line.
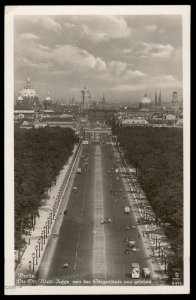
[(48, 98), (145, 100)]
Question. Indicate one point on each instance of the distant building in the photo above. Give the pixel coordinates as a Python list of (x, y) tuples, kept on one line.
[(145, 103), (175, 102), (86, 98), (170, 117), (47, 103), (134, 122), (28, 98), (158, 101)]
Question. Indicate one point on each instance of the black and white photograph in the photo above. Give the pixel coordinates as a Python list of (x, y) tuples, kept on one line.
[(97, 149)]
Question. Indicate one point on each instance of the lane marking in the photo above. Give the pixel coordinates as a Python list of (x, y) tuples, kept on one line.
[(99, 258)]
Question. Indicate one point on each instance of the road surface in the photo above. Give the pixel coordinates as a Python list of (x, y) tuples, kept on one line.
[(94, 251)]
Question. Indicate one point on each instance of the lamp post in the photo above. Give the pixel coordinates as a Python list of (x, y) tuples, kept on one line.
[(51, 217), (159, 247), (39, 242), (33, 256), (29, 266), (48, 220), (165, 257), (156, 240), (162, 255), (36, 249), (42, 242), (53, 211), (46, 226), (44, 234)]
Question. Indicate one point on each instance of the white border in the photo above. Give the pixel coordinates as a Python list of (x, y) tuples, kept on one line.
[(10, 12)]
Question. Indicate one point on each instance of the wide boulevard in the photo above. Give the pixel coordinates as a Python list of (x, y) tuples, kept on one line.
[(95, 252)]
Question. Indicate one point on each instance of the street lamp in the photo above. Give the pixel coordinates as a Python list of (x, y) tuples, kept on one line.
[(44, 234), (30, 266), (42, 237), (36, 249), (48, 220), (51, 217), (46, 226), (33, 256), (39, 242), (159, 247), (162, 255), (165, 256)]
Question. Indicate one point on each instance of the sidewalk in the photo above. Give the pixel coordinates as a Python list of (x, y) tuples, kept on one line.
[(150, 233), (45, 222)]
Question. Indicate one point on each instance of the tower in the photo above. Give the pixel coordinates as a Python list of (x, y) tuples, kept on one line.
[(155, 100), (159, 97), (175, 103), (103, 101), (86, 98)]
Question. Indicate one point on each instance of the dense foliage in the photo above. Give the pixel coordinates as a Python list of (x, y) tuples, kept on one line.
[(39, 156), (158, 154)]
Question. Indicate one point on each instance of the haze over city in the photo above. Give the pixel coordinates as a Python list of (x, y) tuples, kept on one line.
[(120, 56)]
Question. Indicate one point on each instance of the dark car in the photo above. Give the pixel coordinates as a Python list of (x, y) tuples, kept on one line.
[(127, 251)]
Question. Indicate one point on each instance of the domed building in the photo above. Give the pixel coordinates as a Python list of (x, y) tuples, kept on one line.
[(145, 103), (47, 103), (28, 98)]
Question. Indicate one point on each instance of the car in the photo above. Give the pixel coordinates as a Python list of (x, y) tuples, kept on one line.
[(134, 249), (126, 239), (127, 227), (107, 220), (127, 251), (133, 226)]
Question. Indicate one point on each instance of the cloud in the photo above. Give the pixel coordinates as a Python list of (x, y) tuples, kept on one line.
[(162, 81), (69, 25), (155, 50), (150, 28), (29, 36), (126, 51), (61, 57), (110, 27), (46, 22), (77, 58)]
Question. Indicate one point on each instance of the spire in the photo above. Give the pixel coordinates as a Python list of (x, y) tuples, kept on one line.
[(160, 97), (103, 99), (155, 100)]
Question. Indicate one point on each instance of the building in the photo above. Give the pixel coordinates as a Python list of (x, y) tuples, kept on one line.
[(86, 98), (134, 122), (47, 103), (175, 102), (97, 134), (170, 117), (145, 103), (28, 98), (158, 101)]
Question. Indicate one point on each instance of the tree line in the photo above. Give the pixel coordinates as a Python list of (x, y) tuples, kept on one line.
[(39, 156), (158, 155)]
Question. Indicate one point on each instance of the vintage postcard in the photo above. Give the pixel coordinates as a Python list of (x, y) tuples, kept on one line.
[(97, 150)]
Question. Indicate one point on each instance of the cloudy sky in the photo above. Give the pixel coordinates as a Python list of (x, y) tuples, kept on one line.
[(120, 56)]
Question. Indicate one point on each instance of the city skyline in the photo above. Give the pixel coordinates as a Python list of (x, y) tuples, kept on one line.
[(123, 57)]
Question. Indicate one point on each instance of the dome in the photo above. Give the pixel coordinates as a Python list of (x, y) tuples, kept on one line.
[(145, 100), (48, 98)]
